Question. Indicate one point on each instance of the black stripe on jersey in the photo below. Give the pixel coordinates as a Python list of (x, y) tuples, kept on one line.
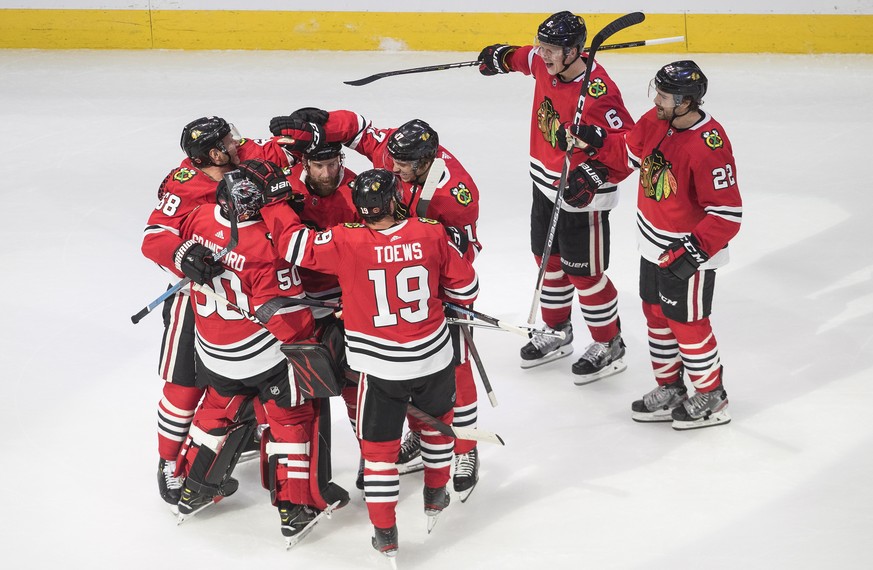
[(731, 215), (242, 351), (295, 248), (652, 235), (470, 291), (394, 353), (546, 178)]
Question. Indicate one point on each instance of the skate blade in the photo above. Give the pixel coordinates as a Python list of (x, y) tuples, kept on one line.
[(183, 517), (655, 417), (465, 494), (717, 419), (614, 368), (559, 352), (292, 541), (432, 520), (247, 456), (413, 466)]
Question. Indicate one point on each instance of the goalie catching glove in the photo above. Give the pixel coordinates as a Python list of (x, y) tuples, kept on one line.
[(492, 59), (683, 257), (583, 183), (270, 179), (196, 262)]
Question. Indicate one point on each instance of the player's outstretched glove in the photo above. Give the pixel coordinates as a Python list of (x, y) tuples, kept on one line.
[(196, 262), (683, 257), (492, 59), (270, 179), (297, 135), (583, 182), (586, 137), (310, 115)]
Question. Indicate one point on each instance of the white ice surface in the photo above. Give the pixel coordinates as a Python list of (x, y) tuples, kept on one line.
[(89, 135)]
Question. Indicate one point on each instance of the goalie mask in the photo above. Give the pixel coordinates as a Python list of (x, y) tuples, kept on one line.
[(236, 195)]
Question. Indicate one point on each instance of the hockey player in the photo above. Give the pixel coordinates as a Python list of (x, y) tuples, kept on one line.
[(238, 360), (393, 274), (409, 151), (212, 147), (580, 251), (688, 209)]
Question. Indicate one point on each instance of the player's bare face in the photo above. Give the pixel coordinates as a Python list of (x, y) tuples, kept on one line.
[(410, 171), (665, 105), (553, 57), (231, 144), (323, 176)]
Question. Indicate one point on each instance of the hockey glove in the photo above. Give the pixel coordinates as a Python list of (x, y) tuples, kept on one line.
[(583, 182), (586, 137), (683, 257), (457, 237), (297, 135), (492, 59), (310, 115), (270, 179), (196, 262)]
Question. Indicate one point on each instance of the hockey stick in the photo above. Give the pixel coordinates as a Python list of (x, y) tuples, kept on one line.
[(625, 21), (452, 431), (474, 352), (434, 175), (372, 78), (268, 309), (234, 238), (523, 331)]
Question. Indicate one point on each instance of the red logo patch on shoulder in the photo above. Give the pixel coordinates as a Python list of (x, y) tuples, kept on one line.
[(184, 175), (427, 221)]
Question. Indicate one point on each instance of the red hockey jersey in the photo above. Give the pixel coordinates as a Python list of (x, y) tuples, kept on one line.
[(688, 184), (456, 199), (392, 282), (554, 103), (184, 189), (322, 212), (229, 344)]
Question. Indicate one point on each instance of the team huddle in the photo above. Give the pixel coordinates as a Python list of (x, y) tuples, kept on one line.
[(308, 281)]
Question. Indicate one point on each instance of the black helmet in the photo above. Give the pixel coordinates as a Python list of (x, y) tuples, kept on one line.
[(563, 29), (683, 78), (237, 195), (202, 135), (372, 192), (413, 140), (325, 152)]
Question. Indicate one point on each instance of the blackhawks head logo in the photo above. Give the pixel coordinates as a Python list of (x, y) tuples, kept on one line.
[(462, 194), (548, 121), (712, 139), (656, 178), (184, 175), (597, 88)]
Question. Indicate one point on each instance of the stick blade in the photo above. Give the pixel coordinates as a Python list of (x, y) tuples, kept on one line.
[(363, 81), (616, 26)]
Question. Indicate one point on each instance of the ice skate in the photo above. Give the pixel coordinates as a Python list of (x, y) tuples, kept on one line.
[(435, 500), (657, 405), (195, 497), (466, 473), (703, 409), (542, 349), (409, 460), (359, 482), (385, 542), (170, 486), (599, 361), (299, 520)]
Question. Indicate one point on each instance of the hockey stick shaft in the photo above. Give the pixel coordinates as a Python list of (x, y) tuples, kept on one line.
[(266, 311), (474, 352), (612, 28), (434, 175), (523, 331), (234, 238), (444, 66), (531, 331), (451, 431)]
